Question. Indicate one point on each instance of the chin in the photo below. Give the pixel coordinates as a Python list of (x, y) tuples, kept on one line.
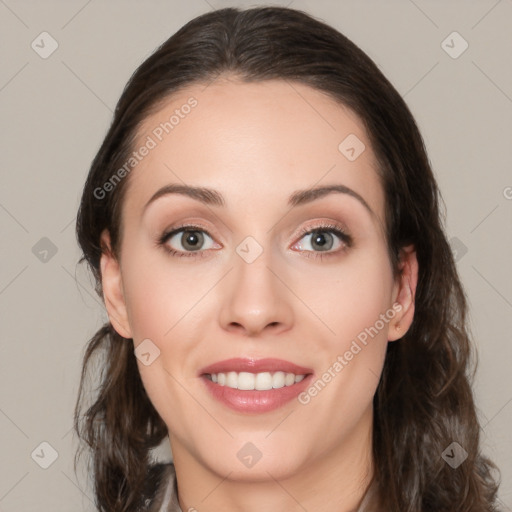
[(277, 466)]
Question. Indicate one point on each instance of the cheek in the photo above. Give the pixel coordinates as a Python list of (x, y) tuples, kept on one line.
[(159, 302), (353, 302), (350, 297), (163, 302), (157, 295)]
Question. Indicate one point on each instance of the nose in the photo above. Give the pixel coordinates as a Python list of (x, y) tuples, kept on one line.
[(255, 298)]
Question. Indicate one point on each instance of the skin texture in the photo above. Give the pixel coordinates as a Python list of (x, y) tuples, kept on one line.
[(257, 144)]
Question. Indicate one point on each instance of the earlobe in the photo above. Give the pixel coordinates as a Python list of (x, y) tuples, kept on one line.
[(113, 294), (405, 293)]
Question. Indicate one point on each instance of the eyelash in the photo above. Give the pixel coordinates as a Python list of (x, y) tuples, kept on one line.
[(344, 237)]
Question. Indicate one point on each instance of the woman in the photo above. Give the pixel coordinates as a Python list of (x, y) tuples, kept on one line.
[(263, 225)]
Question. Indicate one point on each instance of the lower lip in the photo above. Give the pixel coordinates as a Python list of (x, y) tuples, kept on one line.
[(255, 401)]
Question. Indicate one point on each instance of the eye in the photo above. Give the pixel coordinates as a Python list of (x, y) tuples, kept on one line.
[(186, 240), (329, 239)]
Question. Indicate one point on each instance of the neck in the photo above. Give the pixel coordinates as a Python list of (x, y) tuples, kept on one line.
[(335, 481)]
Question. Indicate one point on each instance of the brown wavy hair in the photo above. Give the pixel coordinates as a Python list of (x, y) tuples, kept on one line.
[(424, 400)]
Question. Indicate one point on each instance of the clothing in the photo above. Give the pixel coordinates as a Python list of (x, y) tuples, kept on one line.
[(162, 491)]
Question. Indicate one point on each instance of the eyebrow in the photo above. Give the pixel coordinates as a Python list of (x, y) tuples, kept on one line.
[(213, 197)]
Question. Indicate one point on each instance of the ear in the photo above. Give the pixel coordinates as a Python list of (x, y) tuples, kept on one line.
[(404, 293), (112, 284)]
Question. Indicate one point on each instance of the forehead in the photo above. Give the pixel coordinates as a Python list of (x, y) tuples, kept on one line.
[(255, 142)]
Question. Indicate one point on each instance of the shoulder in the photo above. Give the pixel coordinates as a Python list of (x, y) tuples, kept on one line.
[(160, 492)]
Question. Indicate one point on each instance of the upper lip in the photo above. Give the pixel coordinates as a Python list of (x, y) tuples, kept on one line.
[(251, 365)]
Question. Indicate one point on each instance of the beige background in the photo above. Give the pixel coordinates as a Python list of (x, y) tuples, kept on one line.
[(55, 112)]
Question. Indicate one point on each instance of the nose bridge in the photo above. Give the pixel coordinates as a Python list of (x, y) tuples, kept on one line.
[(254, 297)]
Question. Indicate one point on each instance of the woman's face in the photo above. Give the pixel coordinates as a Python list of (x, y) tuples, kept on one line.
[(270, 270)]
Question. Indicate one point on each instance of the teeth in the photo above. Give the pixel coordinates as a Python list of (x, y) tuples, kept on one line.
[(258, 381)]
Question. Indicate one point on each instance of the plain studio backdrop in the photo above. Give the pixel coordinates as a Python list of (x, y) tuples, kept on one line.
[(63, 67)]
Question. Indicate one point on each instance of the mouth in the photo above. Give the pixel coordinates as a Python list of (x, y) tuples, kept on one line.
[(250, 385), (255, 381)]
